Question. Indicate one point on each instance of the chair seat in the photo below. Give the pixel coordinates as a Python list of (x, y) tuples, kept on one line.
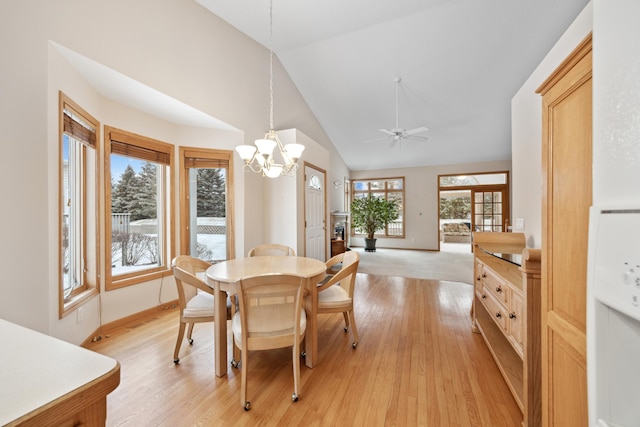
[(201, 305), (272, 327), (332, 297)]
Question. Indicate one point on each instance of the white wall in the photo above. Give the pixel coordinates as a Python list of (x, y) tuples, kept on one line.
[(616, 95), (421, 200), (526, 130), (286, 195), (179, 49)]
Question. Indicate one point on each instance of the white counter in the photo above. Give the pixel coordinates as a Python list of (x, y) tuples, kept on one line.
[(42, 377)]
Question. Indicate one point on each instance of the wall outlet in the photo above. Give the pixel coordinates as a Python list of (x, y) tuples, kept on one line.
[(519, 223), (80, 314)]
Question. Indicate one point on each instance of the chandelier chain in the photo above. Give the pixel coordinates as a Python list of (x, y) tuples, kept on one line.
[(271, 63), (259, 158)]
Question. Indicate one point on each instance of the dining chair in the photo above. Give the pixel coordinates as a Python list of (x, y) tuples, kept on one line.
[(335, 294), (271, 249), (195, 297), (270, 316)]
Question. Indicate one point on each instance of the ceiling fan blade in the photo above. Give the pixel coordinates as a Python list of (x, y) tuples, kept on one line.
[(387, 131), (377, 139), (417, 130)]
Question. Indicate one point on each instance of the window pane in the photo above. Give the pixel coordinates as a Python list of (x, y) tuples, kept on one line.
[(78, 203), (208, 228), (73, 208), (136, 214), (377, 185), (394, 184), (361, 185), (471, 180), (389, 189)]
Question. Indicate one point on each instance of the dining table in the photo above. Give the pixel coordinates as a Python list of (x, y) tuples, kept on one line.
[(225, 276)]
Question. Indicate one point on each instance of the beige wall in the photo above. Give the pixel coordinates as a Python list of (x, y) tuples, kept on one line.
[(421, 200)]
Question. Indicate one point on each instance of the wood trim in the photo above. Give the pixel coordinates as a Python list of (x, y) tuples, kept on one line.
[(139, 317), (583, 49)]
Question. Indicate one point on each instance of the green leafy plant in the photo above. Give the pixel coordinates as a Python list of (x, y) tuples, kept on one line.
[(371, 214)]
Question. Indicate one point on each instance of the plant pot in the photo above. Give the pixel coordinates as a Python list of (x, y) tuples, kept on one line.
[(370, 245)]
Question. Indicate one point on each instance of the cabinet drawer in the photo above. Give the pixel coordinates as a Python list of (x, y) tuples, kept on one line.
[(494, 308), (495, 285)]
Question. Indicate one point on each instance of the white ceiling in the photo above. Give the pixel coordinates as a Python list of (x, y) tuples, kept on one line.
[(460, 61)]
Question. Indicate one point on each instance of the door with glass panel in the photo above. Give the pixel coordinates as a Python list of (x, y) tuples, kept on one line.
[(490, 209), (471, 202), (315, 229)]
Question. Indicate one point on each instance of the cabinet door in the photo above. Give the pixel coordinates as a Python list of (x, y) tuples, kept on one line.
[(567, 182), (515, 322)]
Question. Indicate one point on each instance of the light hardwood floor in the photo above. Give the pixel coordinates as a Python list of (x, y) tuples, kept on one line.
[(418, 363)]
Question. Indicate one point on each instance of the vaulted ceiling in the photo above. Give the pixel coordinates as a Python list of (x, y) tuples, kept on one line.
[(460, 63)]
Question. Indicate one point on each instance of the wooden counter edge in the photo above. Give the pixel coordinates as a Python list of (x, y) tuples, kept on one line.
[(86, 405)]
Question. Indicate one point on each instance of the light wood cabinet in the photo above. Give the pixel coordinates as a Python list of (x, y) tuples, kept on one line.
[(567, 164), (506, 311)]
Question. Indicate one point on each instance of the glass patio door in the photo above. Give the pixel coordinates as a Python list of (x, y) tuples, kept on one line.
[(490, 209)]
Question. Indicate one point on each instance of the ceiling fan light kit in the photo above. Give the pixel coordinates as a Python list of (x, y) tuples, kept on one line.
[(397, 133)]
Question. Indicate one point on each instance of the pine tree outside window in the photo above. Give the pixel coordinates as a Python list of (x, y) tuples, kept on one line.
[(139, 208), (206, 203)]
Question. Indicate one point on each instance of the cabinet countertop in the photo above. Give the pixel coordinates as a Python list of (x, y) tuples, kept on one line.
[(36, 370)]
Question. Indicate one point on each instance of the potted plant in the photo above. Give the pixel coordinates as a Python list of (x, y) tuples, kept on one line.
[(371, 214)]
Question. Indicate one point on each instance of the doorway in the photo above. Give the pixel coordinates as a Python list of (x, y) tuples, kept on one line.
[(468, 203)]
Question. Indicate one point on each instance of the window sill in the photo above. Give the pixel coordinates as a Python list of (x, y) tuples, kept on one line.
[(118, 283), (76, 301)]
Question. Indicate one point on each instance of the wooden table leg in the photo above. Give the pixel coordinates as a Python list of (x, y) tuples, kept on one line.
[(311, 338), (220, 331)]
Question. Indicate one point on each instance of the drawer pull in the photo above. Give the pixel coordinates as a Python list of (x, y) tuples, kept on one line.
[(498, 289), (512, 316), (484, 296), (478, 278), (484, 275), (499, 315)]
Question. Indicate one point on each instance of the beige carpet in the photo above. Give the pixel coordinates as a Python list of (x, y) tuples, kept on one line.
[(451, 266)]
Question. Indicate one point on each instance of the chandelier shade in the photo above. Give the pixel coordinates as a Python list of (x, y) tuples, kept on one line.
[(259, 158)]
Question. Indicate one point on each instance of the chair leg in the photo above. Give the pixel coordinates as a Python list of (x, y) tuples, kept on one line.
[(176, 352), (236, 354), (295, 353), (346, 321), (354, 330), (189, 332), (243, 383)]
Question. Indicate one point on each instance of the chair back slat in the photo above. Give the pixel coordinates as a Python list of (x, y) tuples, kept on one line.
[(271, 249)]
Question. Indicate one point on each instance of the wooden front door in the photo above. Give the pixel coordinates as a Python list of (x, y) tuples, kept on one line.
[(567, 194)]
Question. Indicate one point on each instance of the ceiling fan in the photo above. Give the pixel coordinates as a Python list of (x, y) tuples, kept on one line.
[(397, 134)]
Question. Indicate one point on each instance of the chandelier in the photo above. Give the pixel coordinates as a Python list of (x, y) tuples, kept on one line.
[(259, 158)]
